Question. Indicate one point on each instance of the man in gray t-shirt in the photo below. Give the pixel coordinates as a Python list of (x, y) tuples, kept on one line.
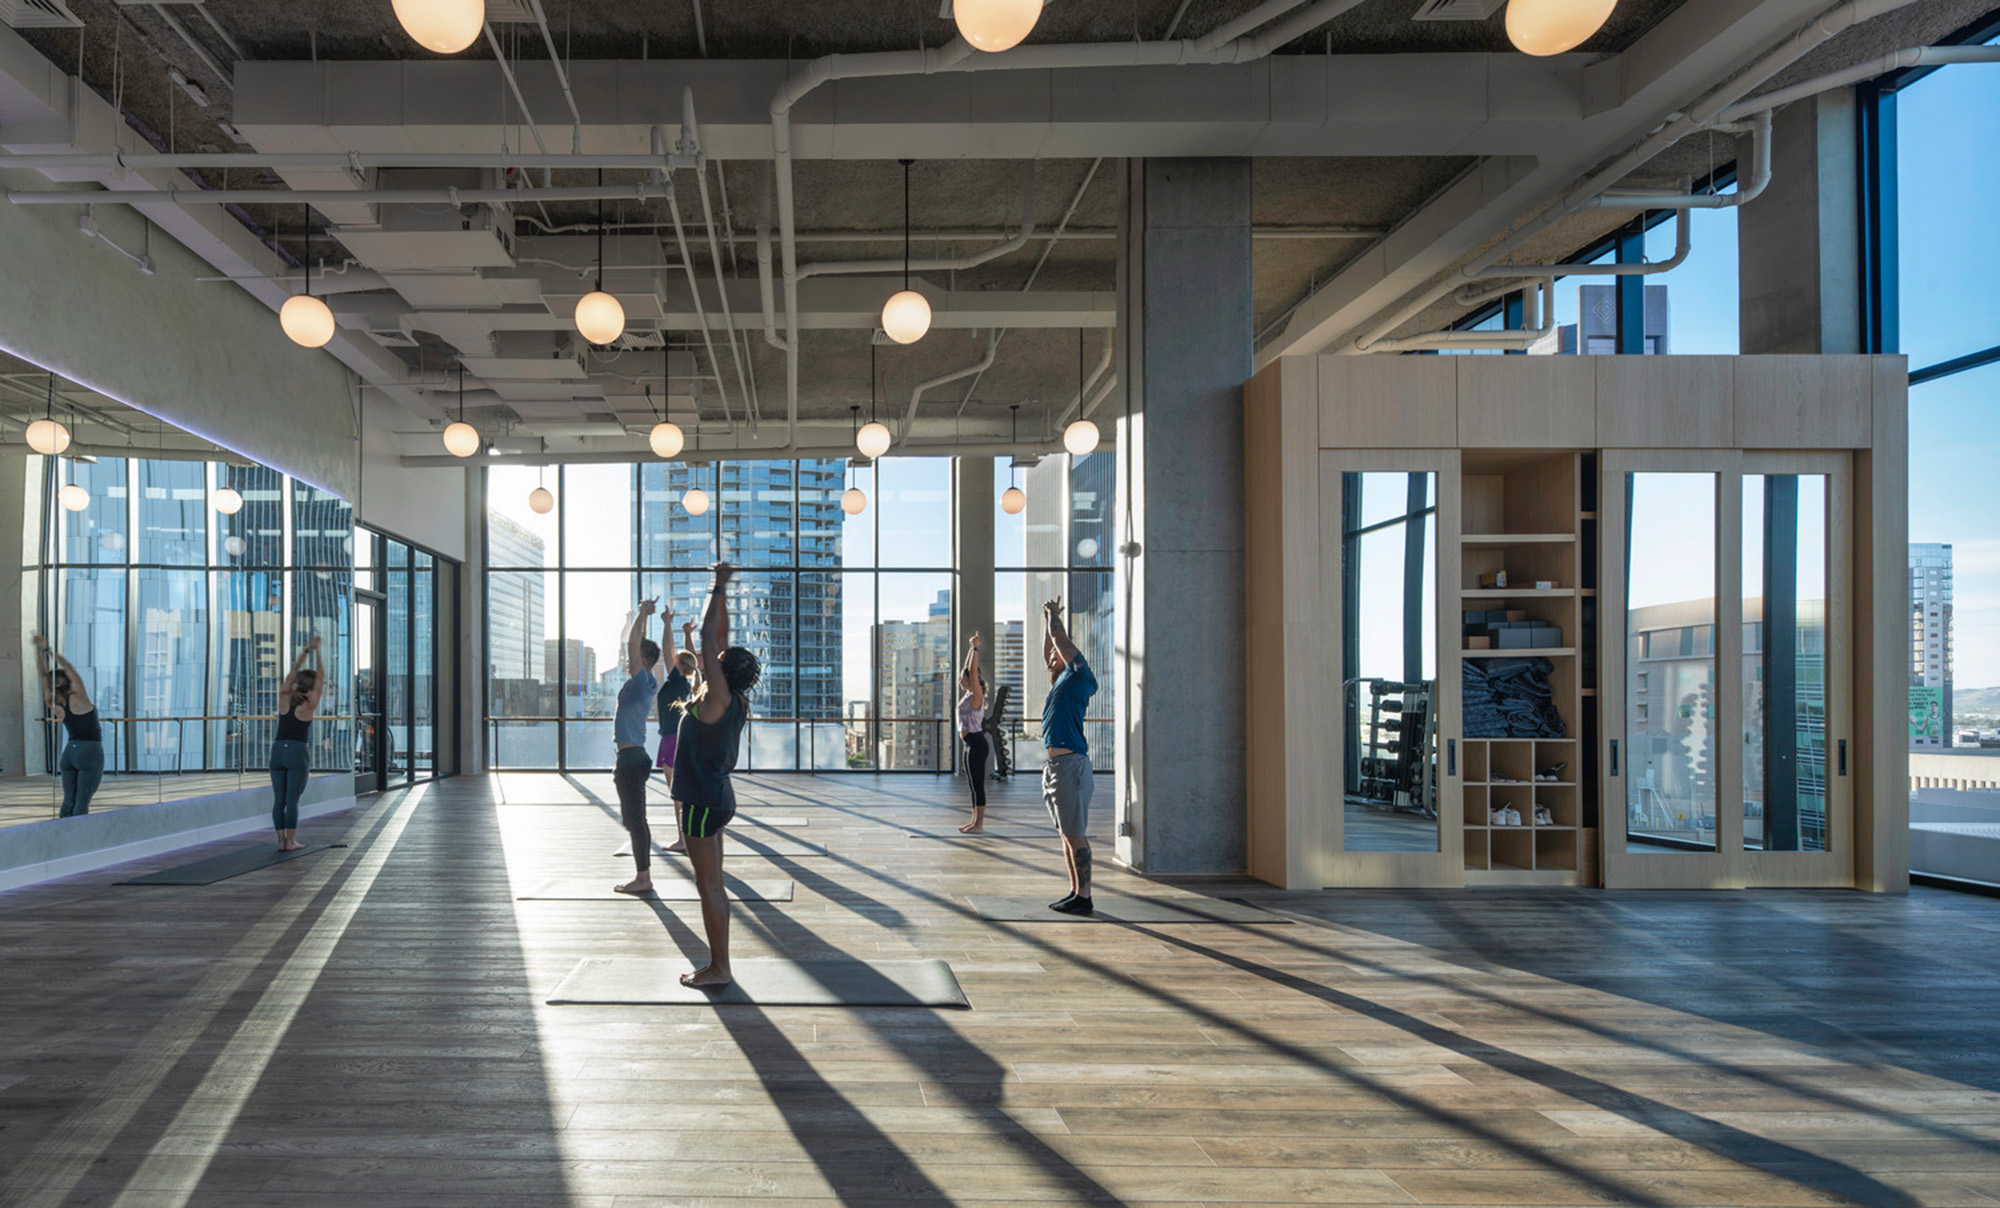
[(628, 730)]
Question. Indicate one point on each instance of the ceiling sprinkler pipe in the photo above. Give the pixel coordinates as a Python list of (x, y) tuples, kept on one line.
[(320, 197), (921, 388), (691, 144), (700, 311), (562, 77), (1512, 273), (1541, 316)]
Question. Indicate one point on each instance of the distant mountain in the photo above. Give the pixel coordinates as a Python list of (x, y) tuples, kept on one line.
[(1976, 700)]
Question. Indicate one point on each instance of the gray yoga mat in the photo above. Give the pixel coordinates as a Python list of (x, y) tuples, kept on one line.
[(743, 845), (228, 864), (599, 889), (1005, 831), (1111, 909), (766, 982)]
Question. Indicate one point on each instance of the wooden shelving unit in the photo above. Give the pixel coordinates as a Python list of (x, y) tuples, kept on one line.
[(1521, 513)]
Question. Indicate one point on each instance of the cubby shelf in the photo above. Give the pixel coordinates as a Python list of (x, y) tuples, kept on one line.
[(1517, 593), (1545, 652), (1516, 538)]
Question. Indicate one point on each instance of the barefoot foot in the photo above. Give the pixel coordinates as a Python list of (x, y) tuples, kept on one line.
[(706, 976), (636, 888), (678, 847), (975, 827)]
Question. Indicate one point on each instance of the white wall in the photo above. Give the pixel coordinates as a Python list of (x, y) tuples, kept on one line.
[(422, 505)]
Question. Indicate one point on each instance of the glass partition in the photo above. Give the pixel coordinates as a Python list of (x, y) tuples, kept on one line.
[(1670, 601), (1784, 662)]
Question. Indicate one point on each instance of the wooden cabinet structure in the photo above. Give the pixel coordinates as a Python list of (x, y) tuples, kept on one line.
[(1597, 621)]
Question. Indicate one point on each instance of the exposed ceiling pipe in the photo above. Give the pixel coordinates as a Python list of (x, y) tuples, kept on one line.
[(958, 55), (187, 35), (1538, 320), (691, 145), (1098, 396), (1895, 60), (942, 264), (711, 452), (694, 290), (1709, 111), (429, 197), (764, 289), (562, 78), (1083, 392), (918, 391), (1473, 295), (514, 86), (149, 453), (356, 160)]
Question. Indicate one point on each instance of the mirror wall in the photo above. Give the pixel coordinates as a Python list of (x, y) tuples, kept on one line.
[(179, 587), (1389, 662)]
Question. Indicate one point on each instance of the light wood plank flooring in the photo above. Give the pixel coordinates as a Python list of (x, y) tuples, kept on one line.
[(366, 1027)]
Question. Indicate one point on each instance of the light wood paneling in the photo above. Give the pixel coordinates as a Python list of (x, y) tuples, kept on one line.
[(1526, 402), (1881, 626), (1804, 402), (1665, 402), (1384, 402)]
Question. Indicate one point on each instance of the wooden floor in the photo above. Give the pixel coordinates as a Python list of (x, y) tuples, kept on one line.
[(365, 1026)]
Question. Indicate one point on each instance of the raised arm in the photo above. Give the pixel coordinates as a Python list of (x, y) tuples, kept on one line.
[(666, 641), (44, 668), (687, 640), (298, 665), (1059, 633), (969, 677), (319, 681), (714, 640), (635, 632)]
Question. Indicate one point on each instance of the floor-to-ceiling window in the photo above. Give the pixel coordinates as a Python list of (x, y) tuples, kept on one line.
[(399, 680), (851, 613)]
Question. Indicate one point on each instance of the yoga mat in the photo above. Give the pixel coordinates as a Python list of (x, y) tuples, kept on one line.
[(1125, 910), (228, 864), (599, 889), (766, 982), (743, 845), (1009, 831)]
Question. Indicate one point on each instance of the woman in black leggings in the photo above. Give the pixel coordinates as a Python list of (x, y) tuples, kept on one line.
[(972, 732), (291, 763)]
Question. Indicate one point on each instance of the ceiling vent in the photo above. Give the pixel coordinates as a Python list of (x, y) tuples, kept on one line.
[(38, 14), (1457, 10)]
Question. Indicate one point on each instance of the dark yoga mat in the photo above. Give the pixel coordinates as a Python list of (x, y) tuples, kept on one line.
[(743, 845), (228, 864), (1012, 830), (599, 889), (639, 981), (1125, 910)]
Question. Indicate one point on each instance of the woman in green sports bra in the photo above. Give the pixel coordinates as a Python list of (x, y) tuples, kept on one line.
[(711, 731)]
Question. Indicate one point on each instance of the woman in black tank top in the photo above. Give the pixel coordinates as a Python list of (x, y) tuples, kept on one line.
[(82, 760), (711, 730), (291, 766)]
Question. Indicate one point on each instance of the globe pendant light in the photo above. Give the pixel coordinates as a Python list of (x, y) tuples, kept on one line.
[(73, 497), (233, 546), (540, 502), (995, 25), (306, 319), (445, 26), (1550, 27), (1080, 437), (872, 439), (47, 435), (461, 439), (906, 316), (228, 501), (696, 499), (1013, 500), (666, 437), (599, 316), (853, 500)]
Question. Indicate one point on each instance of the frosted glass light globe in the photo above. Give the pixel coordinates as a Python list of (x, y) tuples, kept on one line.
[(853, 501), (906, 316), (995, 25), (1080, 438), (445, 26), (461, 439), (113, 542), (600, 317), (1087, 548), (227, 501), (1550, 27), (667, 440), (73, 498), (233, 546), (306, 320), (48, 437), (540, 502), (873, 439), (695, 501), (1014, 501)]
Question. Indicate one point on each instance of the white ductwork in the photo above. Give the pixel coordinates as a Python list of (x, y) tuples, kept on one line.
[(922, 388), (430, 197), (1473, 295), (1538, 318), (1083, 392)]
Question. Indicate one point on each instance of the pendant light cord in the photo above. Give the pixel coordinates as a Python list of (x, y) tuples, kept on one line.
[(1013, 470), (461, 392), (600, 230), (309, 251), (906, 229), (871, 378)]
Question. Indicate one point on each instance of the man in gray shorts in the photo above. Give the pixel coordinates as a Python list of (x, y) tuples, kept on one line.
[(1067, 780)]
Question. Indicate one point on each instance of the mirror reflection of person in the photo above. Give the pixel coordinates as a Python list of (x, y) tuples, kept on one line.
[(290, 755), (972, 732), (82, 759), (711, 733), (1067, 778), (628, 730)]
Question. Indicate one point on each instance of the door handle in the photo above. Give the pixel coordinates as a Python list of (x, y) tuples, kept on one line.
[(1451, 757), (1843, 757), (1614, 757)]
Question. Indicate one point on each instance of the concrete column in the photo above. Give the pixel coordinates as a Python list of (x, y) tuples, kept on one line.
[(21, 748), (470, 698), (972, 602), (1184, 352), (1800, 271)]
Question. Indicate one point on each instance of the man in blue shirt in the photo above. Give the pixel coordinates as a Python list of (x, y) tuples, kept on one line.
[(628, 730), (1067, 779)]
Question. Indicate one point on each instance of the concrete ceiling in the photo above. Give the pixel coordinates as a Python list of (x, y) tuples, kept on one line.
[(1389, 146)]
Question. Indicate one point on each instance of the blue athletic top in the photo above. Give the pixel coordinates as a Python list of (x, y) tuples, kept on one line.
[(635, 700), (1062, 708)]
